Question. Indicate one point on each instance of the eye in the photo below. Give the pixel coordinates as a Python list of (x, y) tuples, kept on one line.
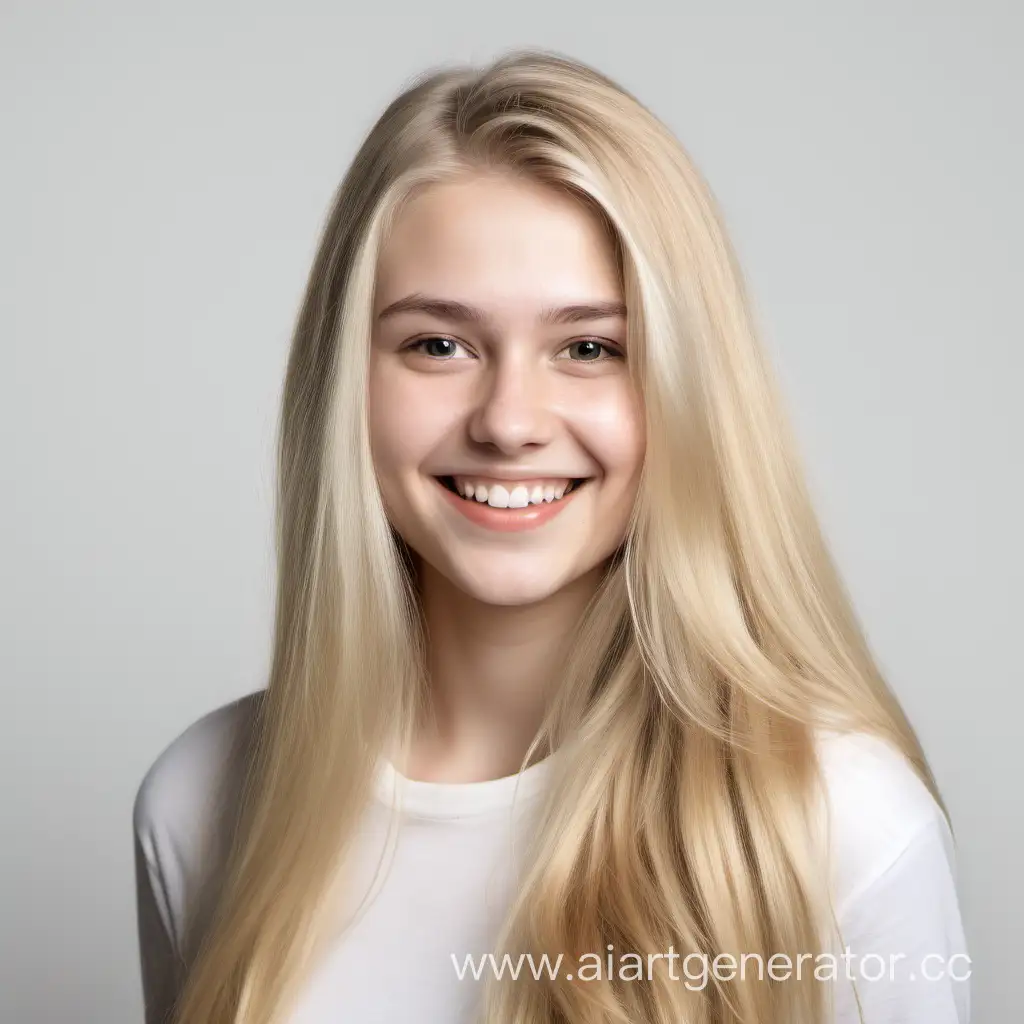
[(590, 350), (436, 347)]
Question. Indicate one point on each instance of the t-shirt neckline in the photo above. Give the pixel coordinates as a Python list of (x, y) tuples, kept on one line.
[(449, 800)]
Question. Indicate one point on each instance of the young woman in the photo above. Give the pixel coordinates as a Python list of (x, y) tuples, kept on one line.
[(562, 667)]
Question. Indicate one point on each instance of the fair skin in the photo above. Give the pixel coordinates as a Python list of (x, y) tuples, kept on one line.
[(469, 415)]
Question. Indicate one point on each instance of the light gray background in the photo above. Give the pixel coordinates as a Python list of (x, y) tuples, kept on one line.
[(165, 173)]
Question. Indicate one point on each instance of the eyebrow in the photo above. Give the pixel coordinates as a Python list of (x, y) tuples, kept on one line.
[(449, 309)]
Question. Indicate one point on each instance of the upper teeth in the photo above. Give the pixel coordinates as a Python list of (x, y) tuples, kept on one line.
[(519, 495)]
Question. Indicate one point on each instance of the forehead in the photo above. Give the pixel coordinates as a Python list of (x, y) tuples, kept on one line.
[(500, 242)]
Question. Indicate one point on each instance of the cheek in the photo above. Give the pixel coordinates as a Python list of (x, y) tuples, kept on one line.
[(611, 427), (407, 420)]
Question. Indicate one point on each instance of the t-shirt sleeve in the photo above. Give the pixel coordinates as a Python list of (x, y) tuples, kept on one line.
[(909, 961), (181, 826), (160, 962)]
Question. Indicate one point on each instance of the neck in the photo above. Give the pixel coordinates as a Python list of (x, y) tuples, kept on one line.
[(491, 669)]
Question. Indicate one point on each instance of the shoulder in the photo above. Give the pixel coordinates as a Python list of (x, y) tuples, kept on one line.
[(878, 809), (205, 757), (185, 805)]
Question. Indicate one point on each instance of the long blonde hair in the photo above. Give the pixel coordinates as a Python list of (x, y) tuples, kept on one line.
[(687, 811)]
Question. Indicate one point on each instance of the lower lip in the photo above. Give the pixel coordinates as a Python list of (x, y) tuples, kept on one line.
[(507, 520)]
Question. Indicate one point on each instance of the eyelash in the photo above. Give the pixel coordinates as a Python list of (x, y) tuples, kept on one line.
[(612, 352)]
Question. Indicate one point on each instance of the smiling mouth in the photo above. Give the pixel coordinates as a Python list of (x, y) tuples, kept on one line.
[(512, 495)]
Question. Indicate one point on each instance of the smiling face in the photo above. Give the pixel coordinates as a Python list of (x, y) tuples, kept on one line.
[(506, 433)]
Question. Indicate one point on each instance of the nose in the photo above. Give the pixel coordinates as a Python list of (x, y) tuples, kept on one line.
[(512, 410)]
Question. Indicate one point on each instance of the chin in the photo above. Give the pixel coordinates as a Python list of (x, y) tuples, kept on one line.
[(509, 582)]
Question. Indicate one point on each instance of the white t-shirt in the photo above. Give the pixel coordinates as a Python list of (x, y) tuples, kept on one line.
[(453, 872)]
